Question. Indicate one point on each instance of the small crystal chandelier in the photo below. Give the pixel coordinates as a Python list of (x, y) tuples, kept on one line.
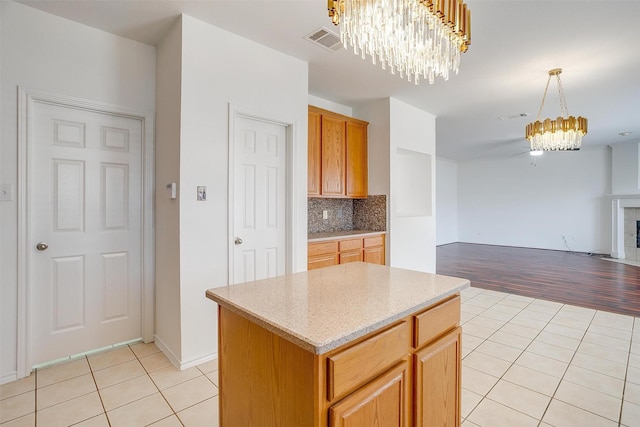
[(417, 38), (562, 134)]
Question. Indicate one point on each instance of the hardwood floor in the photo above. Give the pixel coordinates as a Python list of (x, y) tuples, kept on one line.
[(551, 275)]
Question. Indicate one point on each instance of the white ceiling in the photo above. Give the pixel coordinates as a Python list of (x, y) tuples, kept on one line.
[(514, 44)]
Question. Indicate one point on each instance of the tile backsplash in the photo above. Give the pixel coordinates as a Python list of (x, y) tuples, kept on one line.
[(347, 214)]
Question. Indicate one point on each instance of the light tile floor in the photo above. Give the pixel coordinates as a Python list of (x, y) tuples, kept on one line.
[(133, 385), (526, 362), (529, 362)]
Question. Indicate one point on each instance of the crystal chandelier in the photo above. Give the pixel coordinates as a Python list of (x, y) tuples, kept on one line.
[(562, 134), (416, 38)]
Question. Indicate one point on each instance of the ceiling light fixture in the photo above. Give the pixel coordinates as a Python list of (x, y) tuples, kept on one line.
[(417, 38), (562, 134)]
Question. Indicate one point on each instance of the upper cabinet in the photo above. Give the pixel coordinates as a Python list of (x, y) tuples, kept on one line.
[(337, 155)]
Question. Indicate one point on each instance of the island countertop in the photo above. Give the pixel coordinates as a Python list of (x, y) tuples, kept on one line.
[(322, 309)]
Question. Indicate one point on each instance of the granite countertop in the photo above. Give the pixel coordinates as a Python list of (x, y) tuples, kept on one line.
[(331, 235), (320, 310)]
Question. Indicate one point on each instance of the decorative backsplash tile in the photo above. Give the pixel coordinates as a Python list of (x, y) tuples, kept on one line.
[(339, 215), (370, 213), (347, 214)]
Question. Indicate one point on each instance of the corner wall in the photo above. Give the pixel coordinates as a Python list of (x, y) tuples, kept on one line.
[(446, 201), (43, 52), (219, 68)]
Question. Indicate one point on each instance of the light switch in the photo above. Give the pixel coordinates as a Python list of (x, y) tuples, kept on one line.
[(6, 192), (325, 214)]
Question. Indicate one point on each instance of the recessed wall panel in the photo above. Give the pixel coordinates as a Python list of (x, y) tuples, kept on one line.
[(249, 142), (114, 139), (68, 195), (116, 285), (249, 205), (115, 196), (68, 133), (272, 197), (68, 293), (271, 261), (248, 265), (272, 145)]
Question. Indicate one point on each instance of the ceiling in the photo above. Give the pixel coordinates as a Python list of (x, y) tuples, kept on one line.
[(514, 44)]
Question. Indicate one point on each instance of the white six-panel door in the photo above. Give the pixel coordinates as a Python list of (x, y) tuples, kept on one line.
[(85, 219), (259, 194)]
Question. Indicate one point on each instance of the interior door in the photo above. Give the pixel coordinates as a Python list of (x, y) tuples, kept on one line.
[(259, 195), (84, 219)]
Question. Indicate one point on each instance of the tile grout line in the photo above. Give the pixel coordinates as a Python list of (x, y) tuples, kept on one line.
[(98, 391), (568, 365), (593, 317), (626, 374)]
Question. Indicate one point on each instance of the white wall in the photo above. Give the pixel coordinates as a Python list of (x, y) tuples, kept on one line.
[(395, 125), (316, 101), (510, 202), (167, 210), (625, 168), (219, 68), (43, 52), (446, 201), (413, 240)]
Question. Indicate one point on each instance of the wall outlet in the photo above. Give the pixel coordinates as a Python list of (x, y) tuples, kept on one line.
[(339, 214), (325, 214), (6, 192)]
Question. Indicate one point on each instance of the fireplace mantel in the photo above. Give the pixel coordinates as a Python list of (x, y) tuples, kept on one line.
[(618, 203)]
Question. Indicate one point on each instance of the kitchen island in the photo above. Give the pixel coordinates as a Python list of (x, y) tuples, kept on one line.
[(355, 344)]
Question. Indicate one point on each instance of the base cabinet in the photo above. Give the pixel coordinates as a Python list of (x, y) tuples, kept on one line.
[(405, 374), (341, 251), (382, 402), (438, 382)]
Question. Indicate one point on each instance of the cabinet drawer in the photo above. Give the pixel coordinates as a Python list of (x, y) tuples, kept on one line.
[(433, 322), (373, 241), (322, 261), (348, 245), (322, 248), (354, 256), (357, 365)]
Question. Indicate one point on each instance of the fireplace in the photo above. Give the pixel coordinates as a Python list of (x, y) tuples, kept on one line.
[(625, 230)]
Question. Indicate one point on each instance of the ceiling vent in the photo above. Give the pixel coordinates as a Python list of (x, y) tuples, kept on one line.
[(325, 38)]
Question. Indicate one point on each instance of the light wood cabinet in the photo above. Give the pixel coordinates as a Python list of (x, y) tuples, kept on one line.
[(314, 154), (437, 400), (357, 160), (382, 378), (341, 251), (383, 402), (337, 158)]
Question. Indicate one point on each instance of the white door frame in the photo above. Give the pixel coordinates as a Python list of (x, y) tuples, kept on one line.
[(235, 111), (26, 99)]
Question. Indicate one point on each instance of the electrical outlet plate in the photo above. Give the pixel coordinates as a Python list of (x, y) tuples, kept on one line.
[(6, 192), (325, 214)]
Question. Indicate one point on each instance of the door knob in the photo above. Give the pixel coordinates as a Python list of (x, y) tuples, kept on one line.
[(238, 241), (42, 246)]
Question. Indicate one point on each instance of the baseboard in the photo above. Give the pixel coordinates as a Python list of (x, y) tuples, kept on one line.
[(182, 365), (10, 377), (198, 361), (175, 361)]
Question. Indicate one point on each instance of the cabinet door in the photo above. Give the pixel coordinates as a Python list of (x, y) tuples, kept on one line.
[(314, 154), (357, 163), (438, 382), (333, 156), (382, 402), (374, 255)]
